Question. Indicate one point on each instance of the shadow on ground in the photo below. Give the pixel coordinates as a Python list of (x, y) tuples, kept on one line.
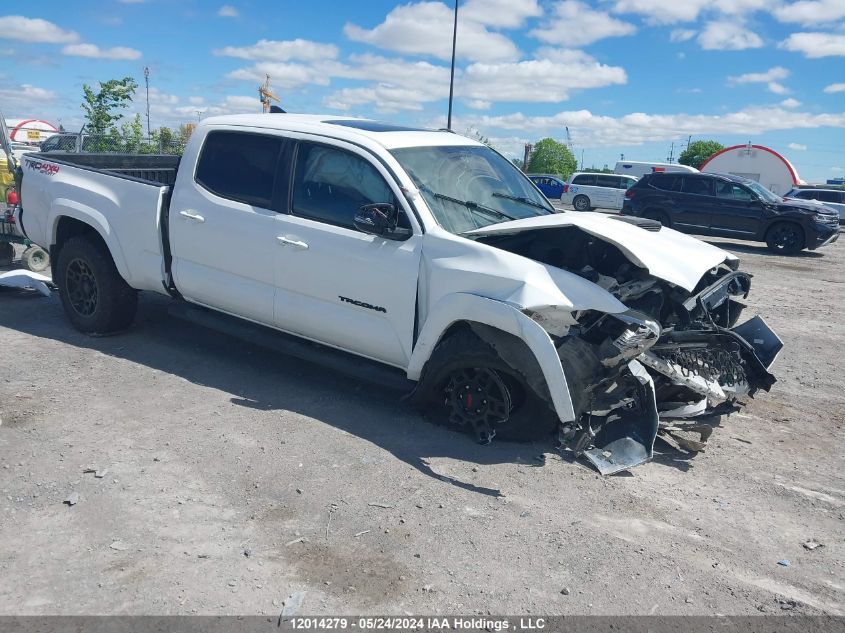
[(258, 378)]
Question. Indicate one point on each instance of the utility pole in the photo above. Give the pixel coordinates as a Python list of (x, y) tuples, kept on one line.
[(199, 115), (582, 159), (147, 80), (452, 76), (671, 158), (526, 157)]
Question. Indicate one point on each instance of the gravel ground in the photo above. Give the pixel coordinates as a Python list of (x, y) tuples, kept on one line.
[(233, 479)]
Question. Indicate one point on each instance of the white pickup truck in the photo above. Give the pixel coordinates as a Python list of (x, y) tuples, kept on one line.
[(419, 249)]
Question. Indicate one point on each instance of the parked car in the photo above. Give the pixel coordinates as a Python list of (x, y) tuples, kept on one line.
[(66, 143), (586, 191), (731, 206), (552, 186), (421, 251), (833, 198)]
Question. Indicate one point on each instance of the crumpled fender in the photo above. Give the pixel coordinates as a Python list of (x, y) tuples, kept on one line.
[(461, 306)]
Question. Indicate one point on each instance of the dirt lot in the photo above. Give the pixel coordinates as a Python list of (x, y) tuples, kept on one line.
[(238, 479)]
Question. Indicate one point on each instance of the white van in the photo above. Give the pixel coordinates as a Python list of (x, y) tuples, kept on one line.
[(638, 169), (586, 191)]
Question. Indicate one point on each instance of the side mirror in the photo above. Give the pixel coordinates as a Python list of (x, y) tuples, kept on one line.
[(380, 219)]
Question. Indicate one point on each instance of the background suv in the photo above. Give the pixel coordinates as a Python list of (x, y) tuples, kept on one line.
[(725, 205), (833, 198), (586, 191)]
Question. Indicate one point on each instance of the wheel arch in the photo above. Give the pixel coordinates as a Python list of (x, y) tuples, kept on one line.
[(518, 340), (69, 222), (783, 220)]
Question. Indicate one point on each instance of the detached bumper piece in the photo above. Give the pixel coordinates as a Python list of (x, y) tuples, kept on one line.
[(629, 440)]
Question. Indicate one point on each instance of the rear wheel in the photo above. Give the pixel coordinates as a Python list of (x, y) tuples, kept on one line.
[(785, 238), (95, 297), (36, 259), (467, 384), (581, 203), (660, 216)]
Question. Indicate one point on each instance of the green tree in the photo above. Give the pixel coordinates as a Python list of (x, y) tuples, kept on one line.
[(551, 157), (699, 151), (517, 162), (102, 108)]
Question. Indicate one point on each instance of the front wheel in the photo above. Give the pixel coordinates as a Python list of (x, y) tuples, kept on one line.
[(95, 297), (7, 254), (468, 384), (581, 203), (785, 238)]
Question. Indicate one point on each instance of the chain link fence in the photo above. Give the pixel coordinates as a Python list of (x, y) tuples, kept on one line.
[(115, 143)]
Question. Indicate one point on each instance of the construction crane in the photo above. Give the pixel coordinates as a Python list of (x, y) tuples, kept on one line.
[(266, 96)]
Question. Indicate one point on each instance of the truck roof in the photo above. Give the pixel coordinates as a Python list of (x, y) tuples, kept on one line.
[(388, 135)]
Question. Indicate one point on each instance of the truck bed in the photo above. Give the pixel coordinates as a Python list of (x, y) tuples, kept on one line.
[(158, 169)]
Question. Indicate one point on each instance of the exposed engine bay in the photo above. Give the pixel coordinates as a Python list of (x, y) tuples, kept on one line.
[(675, 356)]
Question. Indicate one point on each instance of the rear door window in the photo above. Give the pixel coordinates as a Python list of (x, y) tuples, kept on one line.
[(585, 179), (603, 180), (828, 196), (240, 166), (698, 186)]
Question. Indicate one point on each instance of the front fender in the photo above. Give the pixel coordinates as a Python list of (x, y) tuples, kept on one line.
[(64, 207), (459, 307)]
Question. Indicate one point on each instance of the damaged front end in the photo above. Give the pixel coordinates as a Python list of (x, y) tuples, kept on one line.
[(676, 360)]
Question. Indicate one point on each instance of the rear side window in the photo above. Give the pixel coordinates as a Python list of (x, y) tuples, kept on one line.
[(829, 196), (697, 186), (240, 166), (331, 184), (607, 181), (666, 182), (585, 179)]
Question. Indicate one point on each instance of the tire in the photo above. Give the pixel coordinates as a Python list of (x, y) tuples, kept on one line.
[(659, 216), (581, 203), (95, 297), (36, 259), (7, 254), (785, 238), (460, 355)]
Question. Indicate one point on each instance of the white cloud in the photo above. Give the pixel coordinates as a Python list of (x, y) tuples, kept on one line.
[(639, 127), (660, 11), (552, 77), (681, 35), (281, 51), (576, 24), (17, 27), (790, 103), (777, 88), (809, 12), (479, 104), (797, 146), (24, 100), (95, 52), (288, 76), (508, 14), (726, 35), (425, 28), (775, 73), (228, 11), (815, 44), (663, 12), (837, 170), (833, 88)]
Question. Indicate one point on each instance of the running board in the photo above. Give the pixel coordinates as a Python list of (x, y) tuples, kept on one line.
[(314, 353)]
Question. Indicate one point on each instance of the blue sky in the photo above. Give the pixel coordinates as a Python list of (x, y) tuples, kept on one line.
[(626, 76)]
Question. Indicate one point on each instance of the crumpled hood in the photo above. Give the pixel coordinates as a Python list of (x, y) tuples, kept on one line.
[(680, 259)]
